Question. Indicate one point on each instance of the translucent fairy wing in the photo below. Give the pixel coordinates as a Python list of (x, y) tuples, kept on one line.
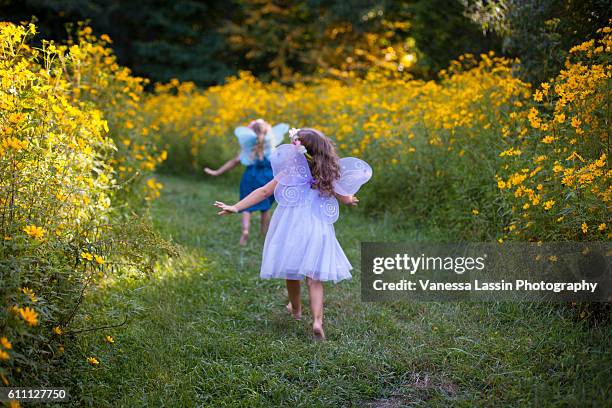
[(247, 140), (354, 173), (278, 133), (289, 166), (326, 208)]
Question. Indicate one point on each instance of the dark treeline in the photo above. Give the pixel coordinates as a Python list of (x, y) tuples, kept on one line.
[(206, 41)]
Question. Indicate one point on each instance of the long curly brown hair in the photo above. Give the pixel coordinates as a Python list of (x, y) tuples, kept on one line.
[(323, 163)]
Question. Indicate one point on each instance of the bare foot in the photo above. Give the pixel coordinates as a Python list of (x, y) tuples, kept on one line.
[(296, 316), (317, 332), (244, 237)]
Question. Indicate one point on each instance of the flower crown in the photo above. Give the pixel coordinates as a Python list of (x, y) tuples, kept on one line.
[(295, 139)]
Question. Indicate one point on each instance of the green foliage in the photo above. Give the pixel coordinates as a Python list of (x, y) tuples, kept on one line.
[(159, 39), (443, 33), (540, 32), (206, 42)]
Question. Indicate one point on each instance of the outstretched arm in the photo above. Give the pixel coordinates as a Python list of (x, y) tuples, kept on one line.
[(255, 197), (230, 164), (348, 200)]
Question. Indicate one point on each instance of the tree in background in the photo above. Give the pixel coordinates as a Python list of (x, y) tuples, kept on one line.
[(206, 41), (294, 40), (350, 38), (540, 32), (291, 40), (443, 33), (156, 38)]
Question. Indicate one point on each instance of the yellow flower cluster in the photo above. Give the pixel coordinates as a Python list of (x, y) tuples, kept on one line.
[(53, 145), (118, 94), (559, 187), (74, 143), (377, 116)]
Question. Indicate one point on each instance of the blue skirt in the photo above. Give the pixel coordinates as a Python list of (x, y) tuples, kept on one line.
[(257, 175)]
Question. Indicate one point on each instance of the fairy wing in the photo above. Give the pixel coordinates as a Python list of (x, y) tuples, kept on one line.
[(291, 170), (289, 166), (354, 173), (292, 173), (274, 137), (247, 140), (278, 133), (326, 208)]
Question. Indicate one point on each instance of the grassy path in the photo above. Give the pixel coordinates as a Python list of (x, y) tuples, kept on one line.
[(205, 331)]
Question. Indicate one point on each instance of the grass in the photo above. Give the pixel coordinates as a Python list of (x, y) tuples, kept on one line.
[(204, 330)]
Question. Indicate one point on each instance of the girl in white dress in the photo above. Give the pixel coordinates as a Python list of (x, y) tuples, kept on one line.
[(309, 179)]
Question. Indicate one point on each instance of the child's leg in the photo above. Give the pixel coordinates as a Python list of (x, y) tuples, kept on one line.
[(246, 221), (315, 290), (293, 292), (265, 222)]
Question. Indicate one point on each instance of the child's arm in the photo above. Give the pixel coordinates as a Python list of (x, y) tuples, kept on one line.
[(348, 200), (255, 197), (230, 164)]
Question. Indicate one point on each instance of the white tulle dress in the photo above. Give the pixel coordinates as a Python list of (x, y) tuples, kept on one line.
[(301, 241)]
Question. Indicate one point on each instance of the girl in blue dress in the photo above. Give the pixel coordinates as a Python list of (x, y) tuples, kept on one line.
[(257, 142)]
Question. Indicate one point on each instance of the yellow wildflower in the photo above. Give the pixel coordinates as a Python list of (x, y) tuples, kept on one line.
[(29, 316), (34, 231), (560, 118), (5, 343), (30, 293), (93, 361), (538, 96), (548, 139), (87, 256)]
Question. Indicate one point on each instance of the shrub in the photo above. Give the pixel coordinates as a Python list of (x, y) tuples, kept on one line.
[(64, 224)]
